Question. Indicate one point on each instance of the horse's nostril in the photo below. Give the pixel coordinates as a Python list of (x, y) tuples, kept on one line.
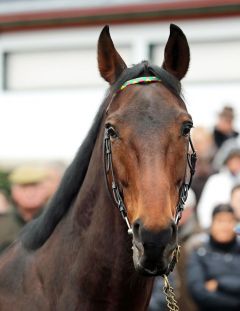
[(151, 239), (136, 229)]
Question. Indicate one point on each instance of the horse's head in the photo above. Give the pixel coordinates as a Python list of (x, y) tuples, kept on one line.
[(147, 132)]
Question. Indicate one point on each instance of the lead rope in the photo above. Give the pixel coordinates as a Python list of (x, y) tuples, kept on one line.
[(168, 290)]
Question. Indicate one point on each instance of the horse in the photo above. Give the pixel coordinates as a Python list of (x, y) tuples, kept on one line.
[(111, 226)]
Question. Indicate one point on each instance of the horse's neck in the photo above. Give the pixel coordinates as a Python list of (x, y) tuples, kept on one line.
[(105, 256)]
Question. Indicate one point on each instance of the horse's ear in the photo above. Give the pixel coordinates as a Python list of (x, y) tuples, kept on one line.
[(177, 54), (110, 63)]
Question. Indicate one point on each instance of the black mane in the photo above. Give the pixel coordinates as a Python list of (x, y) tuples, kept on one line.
[(38, 231)]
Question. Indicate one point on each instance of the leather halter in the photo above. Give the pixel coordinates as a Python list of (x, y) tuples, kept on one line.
[(116, 193), (117, 196)]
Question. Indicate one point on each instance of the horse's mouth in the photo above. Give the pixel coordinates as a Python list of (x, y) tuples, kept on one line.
[(154, 271), (148, 266)]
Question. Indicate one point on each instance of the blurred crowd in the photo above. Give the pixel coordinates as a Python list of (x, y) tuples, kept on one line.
[(207, 276)]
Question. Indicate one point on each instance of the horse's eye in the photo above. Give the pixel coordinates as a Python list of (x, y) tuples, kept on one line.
[(186, 128), (111, 131)]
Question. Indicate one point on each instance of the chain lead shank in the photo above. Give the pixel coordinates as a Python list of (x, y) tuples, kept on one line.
[(170, 295)]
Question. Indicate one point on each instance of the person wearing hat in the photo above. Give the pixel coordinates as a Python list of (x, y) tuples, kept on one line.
[(228, 147), (28, 195), (224, 128), (213, 269), (218, 186)]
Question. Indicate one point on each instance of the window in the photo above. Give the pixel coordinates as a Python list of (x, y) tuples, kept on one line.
[(46, 69), (210, 61)]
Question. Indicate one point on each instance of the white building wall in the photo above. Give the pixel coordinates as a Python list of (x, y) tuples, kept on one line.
[(55, 89)]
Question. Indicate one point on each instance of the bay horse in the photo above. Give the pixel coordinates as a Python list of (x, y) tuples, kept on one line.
[(80, 254)]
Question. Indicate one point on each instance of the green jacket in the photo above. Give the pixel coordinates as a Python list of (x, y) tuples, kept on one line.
[(10, 226)]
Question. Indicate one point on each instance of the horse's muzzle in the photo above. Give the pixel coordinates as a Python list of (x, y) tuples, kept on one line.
[(152, 251)]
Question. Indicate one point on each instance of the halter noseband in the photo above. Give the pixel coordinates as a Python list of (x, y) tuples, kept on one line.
[(116, 193)]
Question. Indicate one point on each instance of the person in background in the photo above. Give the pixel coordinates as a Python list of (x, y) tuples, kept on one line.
[(235, 203), (188, 226), (235, 200), (224, 128), (55, 171), (222, 153), (28, 196), (218, 187), (4, 203), (204, 145), (213, 270)]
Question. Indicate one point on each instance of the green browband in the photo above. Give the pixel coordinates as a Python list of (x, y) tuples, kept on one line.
[(139, 81)]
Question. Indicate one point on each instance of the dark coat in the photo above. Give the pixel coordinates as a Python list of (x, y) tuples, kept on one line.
[(158, 298), (211, 261), (220, 138)]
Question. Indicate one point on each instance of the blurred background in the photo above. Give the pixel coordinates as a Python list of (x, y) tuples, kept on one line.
[(50, 87)]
